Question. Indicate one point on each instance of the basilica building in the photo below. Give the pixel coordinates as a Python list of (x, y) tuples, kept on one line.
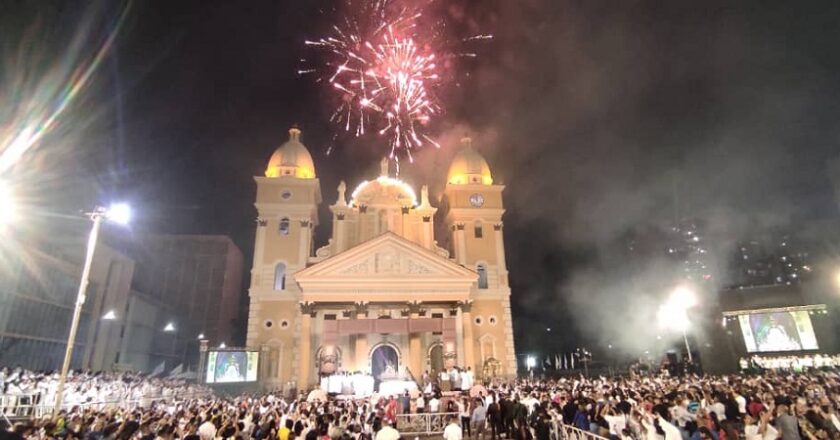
[(381, 296)]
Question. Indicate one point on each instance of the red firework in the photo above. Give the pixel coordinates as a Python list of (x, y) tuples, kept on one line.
[(384, 71)]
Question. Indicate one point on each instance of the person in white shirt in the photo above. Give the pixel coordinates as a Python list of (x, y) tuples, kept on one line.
[(455, 379), (742, 403), (467, 379), (479, 419), (434, 405), (387, 433), (616, 420), (671, 431), (718, 408), (759, 429), (453, 430), (421, 404), (207, 430), (681, 415)]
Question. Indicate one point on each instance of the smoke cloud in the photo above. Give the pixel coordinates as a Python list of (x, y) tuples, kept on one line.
[(613, 119)]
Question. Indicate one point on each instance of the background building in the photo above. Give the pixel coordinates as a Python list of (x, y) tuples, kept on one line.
[(139, 285), (38, 290), (200, 277)]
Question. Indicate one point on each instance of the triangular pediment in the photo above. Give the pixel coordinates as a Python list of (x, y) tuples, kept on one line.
[(387, 255), (389, 263)]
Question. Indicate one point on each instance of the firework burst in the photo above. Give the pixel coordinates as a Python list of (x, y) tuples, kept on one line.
[(384, 72)]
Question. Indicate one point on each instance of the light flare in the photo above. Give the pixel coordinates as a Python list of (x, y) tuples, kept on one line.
[(49, 102)]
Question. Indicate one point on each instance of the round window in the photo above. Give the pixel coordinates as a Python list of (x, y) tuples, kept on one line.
[(478, 320), (268, 323), (286, 194), (284, 324), (492, 320)]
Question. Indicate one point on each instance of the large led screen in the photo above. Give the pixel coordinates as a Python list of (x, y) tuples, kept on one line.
[(232, 366), (778, 331)]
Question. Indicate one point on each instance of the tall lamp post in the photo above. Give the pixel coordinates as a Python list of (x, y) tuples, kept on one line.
[(118, 213)]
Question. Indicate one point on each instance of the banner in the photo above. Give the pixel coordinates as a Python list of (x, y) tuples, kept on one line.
[(159, 369)]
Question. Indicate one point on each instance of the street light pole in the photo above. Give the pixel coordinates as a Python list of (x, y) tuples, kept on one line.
[(96, 216), (687, 348)]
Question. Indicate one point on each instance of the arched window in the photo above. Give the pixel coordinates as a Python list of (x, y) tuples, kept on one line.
[(284, 226), (280, 277), (482, 276), (478, 231)]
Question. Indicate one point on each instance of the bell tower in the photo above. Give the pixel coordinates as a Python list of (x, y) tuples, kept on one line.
[(474, 222), (287, 213), (474, 218)]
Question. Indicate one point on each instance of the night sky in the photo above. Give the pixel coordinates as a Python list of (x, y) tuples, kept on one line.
[(600, 117)]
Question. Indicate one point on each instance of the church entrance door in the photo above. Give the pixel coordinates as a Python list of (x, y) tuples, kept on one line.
[(384, 363), (436, 360)]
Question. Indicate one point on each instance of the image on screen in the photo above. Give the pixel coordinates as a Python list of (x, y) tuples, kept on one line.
[(778, 331), (232, 366)]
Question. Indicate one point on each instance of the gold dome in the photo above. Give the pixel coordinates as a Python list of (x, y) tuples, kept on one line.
[(383, 191), (468, 167), (291, 159)]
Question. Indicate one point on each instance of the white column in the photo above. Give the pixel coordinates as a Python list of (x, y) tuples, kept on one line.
[(427, 233), (500, 253), (361, 348), (305, 347), (459, 337), (339, 233), (390, 220), (460, 244), (415, 349), (510, 350), (259, 250), (469, 339), (305, 240)]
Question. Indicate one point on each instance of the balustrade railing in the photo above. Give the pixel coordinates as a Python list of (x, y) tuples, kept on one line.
[(24, 406), (561, 431), (423, 424)]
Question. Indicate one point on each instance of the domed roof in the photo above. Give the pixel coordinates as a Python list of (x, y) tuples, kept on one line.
[(384, 190), (469, 167), (291, 159)]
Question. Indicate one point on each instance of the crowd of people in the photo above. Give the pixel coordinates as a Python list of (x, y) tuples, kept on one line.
[(789, 363), (765, 406), (23, 390)]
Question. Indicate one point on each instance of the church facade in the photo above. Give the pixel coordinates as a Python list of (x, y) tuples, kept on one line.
[(381, 295)]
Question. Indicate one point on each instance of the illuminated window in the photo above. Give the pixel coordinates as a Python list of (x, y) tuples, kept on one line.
[(284, 226), (482, 276), (478, 231), (280, 277)]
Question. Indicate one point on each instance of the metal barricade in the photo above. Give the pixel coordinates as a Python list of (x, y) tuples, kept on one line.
[(18, 405), (423, 424), (26, 406), (562, 431)]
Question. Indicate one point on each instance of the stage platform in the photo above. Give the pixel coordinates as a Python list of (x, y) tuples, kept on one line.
[(361, 385)]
